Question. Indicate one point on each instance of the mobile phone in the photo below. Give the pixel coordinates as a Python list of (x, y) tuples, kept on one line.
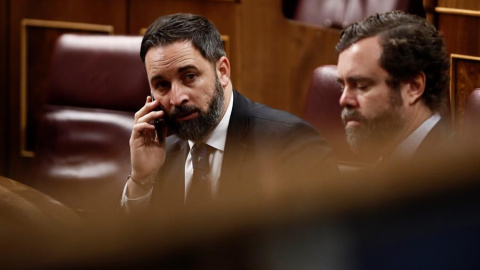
[(159, 124)]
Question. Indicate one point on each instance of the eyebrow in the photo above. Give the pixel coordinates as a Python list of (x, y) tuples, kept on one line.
[(180, 70), (355, 79)]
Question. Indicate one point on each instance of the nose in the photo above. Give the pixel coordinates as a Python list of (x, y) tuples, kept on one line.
[(178, 95), (348, 98)]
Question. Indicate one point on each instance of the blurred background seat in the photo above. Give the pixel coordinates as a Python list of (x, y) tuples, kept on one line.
[(471, 122), (96, 84), (340, 13), (21, 205), (323, 111)]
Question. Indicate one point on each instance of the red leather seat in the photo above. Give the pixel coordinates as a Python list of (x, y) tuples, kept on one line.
[(96, 85), (323, 111), (340, 13), (471, 121)]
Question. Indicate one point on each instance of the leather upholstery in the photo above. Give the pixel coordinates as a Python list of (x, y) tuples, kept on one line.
[(23, 206), (472, 108), (95, 71), (341, 13), (96, 85), (322, 110), (471, 122)]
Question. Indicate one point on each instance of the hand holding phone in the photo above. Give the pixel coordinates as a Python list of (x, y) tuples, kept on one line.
[(147, 151)]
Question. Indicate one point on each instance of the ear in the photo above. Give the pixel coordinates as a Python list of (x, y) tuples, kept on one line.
[(223, 71), (415, 88)]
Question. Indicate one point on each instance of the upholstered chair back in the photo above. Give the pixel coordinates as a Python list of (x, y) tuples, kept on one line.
[(96, 84)]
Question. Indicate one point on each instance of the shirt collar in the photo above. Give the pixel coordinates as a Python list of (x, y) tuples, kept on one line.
[(218, 136)]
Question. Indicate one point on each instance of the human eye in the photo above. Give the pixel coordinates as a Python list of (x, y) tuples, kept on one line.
[(363, 85), (189, 77), (162, 85)]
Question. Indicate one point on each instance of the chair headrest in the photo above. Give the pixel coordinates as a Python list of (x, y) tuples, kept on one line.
[(341, 13), (322, 109), (473, 102), (97, 71)]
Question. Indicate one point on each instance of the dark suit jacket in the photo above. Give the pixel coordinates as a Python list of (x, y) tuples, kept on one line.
[(438, 139), (263, 146)]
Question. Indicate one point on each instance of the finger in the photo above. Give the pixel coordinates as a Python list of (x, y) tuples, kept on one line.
[(149, 117), (141, 129), (148, 107)]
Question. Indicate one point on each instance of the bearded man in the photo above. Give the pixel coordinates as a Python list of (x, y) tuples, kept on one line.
[(220, 143), (393, 71)]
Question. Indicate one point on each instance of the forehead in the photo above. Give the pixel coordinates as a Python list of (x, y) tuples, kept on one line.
[(172, 56), (362, 59)]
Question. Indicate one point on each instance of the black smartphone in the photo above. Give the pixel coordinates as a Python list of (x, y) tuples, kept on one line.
[(159, 124)]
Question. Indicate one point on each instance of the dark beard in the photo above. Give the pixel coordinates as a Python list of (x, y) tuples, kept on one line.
[(373, 134), (197, 129)]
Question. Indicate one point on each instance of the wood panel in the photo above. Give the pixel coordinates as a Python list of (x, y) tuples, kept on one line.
[(459, 40), (460, 4), (459, 21), (279, 55), (460, 27), (453, 7), (107, 12)]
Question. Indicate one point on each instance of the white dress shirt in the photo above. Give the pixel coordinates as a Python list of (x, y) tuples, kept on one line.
[(216, 140)]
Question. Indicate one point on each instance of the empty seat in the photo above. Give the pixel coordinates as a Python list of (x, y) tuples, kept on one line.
[(96, 84), (471, 122), (340, 13)]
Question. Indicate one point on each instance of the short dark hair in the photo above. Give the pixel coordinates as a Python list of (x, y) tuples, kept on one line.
[(184, 27), (410, 45)]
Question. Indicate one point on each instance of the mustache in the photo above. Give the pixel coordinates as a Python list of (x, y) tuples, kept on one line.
[(183, 110), (351, 114)]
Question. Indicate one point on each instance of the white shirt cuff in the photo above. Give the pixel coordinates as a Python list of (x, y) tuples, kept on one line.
[(137, 205)]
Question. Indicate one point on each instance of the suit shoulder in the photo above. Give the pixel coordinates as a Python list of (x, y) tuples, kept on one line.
[(262, 121), (263, 113)]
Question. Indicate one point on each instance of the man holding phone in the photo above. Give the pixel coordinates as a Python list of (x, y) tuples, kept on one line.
[(239, 147)]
